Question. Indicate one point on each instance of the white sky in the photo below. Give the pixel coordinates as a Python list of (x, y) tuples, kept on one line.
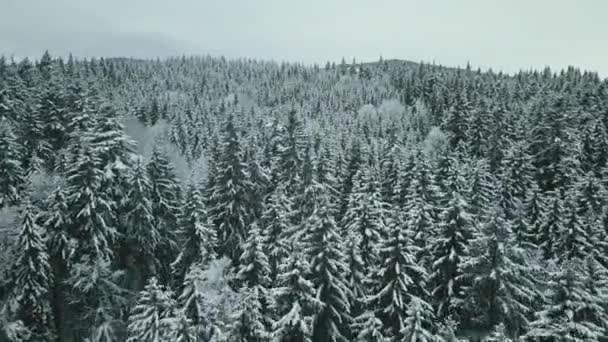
[(506, 35)]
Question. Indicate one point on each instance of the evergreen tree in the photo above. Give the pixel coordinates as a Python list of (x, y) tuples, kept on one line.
[(419, 324), (369, 328), (448, 251), (294, 301), (563, 317), (90, 208), (33, 277), (551, 227), (276, 221), (196, 234), (13, 178), (328, 271), (365, 216), (141, 235), (166, 203), (228, 203), (501, 288), (150, 319), (398, 282)]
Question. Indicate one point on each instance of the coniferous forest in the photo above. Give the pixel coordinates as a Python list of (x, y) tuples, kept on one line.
[(205, 199)]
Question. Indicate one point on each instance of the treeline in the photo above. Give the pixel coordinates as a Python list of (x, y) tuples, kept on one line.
[(205, 199)]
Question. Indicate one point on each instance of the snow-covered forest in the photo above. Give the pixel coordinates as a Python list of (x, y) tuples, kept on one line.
[(205, 199)]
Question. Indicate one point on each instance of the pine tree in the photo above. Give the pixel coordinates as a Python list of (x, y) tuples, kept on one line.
[(501, 288), (149, 320), (419, 324), (291, 148), (563, 317), (13, 178), (196, 234), (33, 277), (421, 213), (277, 228), (365, 216), (356, 278), (448, 251), (254, 267), (498, 335), (228, 208), (90, 208), (258, 186), (294, 301), (140, 234), (577, 239), (398, 281), (369, 328), (535, 211), (551, 227), (328, 270), (166, 203), (248, 321)]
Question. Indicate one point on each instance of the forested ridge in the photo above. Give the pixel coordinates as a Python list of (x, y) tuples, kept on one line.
[(207, 199)]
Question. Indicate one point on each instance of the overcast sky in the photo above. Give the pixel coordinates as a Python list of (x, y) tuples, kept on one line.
[(506, 35)]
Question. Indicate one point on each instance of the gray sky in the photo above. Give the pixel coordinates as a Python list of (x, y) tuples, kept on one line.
[(505, 35)]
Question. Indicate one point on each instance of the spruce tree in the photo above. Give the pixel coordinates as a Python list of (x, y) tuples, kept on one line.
[(277, 228), (198, 239), (166, 204), (365, 216), (13, 177), (501, 288), (90, 207), (33, 277), (149, 320), (228, 203), (448, 250), (398, 281), (294, 301), (419, 325), (328, 274), (563, 318), (141, 236)]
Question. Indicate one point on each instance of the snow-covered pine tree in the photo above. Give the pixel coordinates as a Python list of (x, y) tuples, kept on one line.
[(248, 322), (500, 287), (328, 273), (254, 269), (150, 318), (294, 301), (13, 179), (291, 148), (365, 216), (33, 277), (448, 249), (564, 316), (198, 239), (578, 236), (481, 192), (398, 281), (419, 325), (535, 211), (90, 214), (277, 228), (166, 204), (515, 180), (228, 203), (422, 208), (258, 185), (141, 236), (551, 226), (368, 328), (499, 334), (357, 280)]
